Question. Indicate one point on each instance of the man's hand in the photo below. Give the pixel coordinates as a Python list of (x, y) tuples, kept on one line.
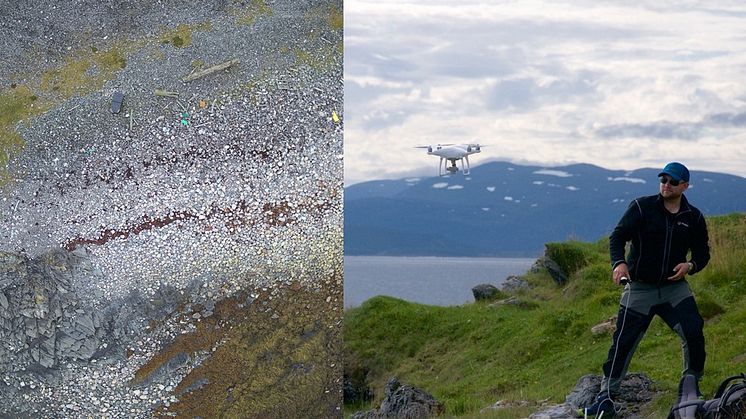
[(680, 271), (620, 271)]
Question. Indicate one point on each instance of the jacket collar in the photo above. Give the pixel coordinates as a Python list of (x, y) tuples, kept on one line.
[(683, 207)]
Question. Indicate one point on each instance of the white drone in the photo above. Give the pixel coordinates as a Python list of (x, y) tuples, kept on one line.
[(452, 153)]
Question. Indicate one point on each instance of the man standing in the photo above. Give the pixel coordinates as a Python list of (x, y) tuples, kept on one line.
[(663, 229)]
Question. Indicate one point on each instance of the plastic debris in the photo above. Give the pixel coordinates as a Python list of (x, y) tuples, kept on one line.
[(184, 120), (116, 102), (335, 117), (202, 104)]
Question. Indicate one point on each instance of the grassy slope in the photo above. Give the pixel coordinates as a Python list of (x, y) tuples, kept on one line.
[(470, 356)]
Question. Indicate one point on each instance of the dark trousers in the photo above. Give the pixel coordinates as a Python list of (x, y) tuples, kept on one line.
[(684, 319)]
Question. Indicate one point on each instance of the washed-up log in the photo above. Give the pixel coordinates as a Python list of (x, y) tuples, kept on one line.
[(210, 70), (159, 92)]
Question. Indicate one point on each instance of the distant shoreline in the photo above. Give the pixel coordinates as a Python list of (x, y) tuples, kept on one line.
[(516, 254), (434, 280)]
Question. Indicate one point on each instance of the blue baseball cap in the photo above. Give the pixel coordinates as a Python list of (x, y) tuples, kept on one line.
[(677, 171)]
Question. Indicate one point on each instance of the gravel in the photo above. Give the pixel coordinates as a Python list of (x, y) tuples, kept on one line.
[(234, 186)]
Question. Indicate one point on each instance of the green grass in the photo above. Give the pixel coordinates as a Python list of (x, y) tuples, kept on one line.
[(473, 355)]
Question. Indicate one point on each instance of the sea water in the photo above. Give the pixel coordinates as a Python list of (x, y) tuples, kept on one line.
[(430, 280)]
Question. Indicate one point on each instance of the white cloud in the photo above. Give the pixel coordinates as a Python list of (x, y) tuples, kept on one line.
[(616, 84), (456, 187), (440, 185)]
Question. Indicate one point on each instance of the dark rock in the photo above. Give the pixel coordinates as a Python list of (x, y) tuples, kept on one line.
[(485, 292), (585, 391), (545, 263), (405, 402), (165, 370), (196, 385), (41, 315), (634, 392)]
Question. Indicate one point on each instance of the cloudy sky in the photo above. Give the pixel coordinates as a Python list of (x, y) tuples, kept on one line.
[(609, 83)]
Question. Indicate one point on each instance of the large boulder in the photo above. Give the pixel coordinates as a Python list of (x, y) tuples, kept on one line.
[(404, 402), (485, 292)]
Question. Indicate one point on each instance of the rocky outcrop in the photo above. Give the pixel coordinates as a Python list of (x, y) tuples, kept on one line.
[(43, 322), (636, 390), (513, 284), (404, 402)]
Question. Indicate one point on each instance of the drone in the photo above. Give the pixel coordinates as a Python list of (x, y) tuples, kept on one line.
[(452, 153)]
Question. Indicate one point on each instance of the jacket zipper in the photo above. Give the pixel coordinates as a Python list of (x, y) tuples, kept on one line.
[(666, 252)]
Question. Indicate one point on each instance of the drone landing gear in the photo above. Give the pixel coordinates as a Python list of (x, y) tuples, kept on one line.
[(453, 169)]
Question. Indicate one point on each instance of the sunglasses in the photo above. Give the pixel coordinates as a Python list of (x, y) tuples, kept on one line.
[(665, 180)]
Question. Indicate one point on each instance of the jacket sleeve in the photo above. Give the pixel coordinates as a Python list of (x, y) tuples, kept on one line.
[(623, 231), (700, 245)]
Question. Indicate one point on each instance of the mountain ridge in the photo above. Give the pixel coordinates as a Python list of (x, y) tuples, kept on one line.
[(506, 209)]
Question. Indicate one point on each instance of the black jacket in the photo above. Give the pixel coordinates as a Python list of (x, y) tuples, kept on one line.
[(660, 240)]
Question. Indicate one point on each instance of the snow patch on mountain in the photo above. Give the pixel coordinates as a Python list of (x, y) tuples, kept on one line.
[(626, 179), (558, 173)]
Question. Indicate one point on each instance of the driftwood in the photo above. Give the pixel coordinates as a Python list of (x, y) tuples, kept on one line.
[(159, 92), (210, 70)]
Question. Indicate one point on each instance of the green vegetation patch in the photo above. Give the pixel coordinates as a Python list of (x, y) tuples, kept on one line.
[(318, 60), (247, 15), (336, 19), (573, 255), (83, 74), (473, 355), (179, 37), (16, 104), (279, 358)]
